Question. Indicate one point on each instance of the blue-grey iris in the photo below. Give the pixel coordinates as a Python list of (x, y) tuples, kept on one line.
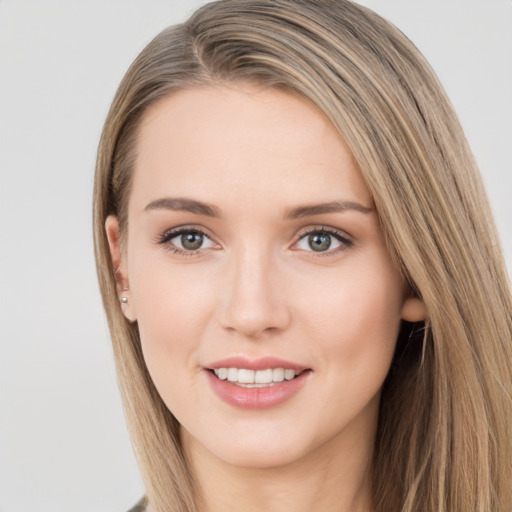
[(319, 242), (192, 241)]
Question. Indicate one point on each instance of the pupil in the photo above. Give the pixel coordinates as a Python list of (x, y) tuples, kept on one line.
[(192, 241), (319, 242)]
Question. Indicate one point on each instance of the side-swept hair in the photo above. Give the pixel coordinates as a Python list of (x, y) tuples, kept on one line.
[(444, 440)]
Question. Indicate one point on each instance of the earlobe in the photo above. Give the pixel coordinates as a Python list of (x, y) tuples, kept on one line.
[(123, 285), (414, 310)]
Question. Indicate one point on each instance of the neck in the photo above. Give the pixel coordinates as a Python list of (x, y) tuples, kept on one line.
[(334, 478)]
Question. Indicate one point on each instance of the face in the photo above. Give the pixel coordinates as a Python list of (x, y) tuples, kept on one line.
[(267, 303)]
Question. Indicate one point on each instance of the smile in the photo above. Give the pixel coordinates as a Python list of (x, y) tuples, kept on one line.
[(256, 383), (256, 378)]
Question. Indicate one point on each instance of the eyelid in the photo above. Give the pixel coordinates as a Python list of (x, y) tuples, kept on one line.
[(345, 239), (165, 238)]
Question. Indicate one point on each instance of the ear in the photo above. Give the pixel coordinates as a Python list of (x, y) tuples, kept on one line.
[(120, 270), (413, 310)]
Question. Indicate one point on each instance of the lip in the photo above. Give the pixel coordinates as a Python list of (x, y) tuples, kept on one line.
[(262, 363), (256, 398)]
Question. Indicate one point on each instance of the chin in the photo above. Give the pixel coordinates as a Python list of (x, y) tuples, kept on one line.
[(258, 457), (263, 446)]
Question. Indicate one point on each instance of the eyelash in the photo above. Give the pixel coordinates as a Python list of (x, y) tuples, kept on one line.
[(167, 236), (345, 241)]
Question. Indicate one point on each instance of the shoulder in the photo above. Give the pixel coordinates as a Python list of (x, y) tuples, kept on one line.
[(141, 506)]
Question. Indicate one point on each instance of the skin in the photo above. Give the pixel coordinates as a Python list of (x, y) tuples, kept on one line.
[(257, 288)]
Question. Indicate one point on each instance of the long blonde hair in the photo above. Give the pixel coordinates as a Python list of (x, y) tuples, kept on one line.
[(444, 440)]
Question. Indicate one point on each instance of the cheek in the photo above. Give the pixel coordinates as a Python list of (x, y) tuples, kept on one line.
[(173, 307), (355, 320), (167, 297)]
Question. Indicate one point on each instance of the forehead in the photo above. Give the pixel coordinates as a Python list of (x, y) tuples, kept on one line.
[(226, 141)]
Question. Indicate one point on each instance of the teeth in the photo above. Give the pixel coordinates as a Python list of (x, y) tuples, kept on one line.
[(252, 378), (289, 374), (222, 373), (263, 376), (246, 376), (278, 374)]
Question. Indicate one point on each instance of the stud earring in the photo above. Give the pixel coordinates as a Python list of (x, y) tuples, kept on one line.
[(124, 300)]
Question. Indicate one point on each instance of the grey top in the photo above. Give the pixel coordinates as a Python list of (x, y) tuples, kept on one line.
[(141, 506)]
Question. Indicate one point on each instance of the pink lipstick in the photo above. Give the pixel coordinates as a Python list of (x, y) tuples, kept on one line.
[(256, 384)]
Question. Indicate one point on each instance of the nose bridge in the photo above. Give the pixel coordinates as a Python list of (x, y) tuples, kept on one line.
[(255, 301)]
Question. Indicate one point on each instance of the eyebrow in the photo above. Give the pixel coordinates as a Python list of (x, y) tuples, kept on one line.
[(200, 208), (184, 205), (331, 207)]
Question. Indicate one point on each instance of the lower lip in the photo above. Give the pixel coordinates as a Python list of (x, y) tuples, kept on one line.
[(257, 398)]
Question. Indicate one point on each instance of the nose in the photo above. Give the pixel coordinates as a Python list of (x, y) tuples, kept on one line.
[(255, 299)]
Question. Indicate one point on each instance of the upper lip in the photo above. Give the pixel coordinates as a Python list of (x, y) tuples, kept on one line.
[(262, 363)]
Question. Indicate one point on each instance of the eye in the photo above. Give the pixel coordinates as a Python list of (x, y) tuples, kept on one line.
[(323, 241), (186, 240)]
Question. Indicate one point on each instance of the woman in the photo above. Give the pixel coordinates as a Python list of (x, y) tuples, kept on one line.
[(305, 292)]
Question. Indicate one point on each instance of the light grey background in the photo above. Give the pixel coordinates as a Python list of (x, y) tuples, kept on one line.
[(63, 443)]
